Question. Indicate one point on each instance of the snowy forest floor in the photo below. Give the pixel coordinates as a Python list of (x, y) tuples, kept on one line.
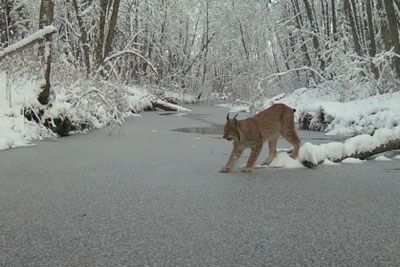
[(152, 196)]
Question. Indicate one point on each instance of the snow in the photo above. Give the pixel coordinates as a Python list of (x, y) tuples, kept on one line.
[(32, 38), (348, 118), (358, 144), (363, 116), (283, 160), (382, 158), (397, 157), (235, 108), (138, 99), (84, 102), (15, 130), (329, 163), (353, 161), (181, 97), (302, 99)]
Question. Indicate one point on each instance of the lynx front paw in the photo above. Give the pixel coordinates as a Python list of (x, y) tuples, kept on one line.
[(225, 170), (267, 162), (247, 169)]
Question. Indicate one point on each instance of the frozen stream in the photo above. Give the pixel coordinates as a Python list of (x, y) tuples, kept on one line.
[(153, 196)]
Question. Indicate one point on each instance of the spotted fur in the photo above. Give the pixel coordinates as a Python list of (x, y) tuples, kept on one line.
[(253, 132)]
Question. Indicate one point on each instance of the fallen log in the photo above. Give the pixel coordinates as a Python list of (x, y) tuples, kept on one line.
[(164, 105), (391, 145), (360, 147)]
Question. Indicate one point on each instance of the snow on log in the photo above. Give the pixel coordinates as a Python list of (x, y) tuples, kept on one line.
[(361, 147), (158, 103), (30, 40)]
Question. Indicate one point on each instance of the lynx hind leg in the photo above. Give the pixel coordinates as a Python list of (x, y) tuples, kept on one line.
[(291, 136), (272, 151), (288, 132), (255, 152), (295, 141)]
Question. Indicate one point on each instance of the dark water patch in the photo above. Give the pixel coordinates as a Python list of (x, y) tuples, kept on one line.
[(392, 170), (338, 139), (214, 129), (168, 113)]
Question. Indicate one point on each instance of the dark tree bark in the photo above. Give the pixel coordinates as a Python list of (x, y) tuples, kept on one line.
[(106, 29), (300, 23), (206, 38), (371, 35), (384, 26), (334, 19), (314, 29), (393, 33), (83, 36), (99, 52), (45, 19), (357, 21), (111, 27), (353, 26)]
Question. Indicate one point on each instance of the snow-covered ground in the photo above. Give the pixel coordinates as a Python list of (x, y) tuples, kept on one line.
[(15, 130), (90, 103)]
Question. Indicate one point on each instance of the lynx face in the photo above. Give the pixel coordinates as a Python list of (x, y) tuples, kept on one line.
[(231, 131)]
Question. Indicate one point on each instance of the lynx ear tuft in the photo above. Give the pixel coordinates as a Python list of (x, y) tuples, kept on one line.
[(227, 117), (236, 121)]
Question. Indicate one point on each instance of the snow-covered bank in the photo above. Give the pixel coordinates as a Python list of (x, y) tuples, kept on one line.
[(351, 118), (84, 105), (354, 150), (322, 110), (337, 151), (15, 129), (356, 117)]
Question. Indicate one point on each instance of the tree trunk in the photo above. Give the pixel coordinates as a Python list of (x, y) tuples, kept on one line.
[(83, 36), (299, 21), (46, 19), (384, 26), (353, 26), (393, 33), (372, 41), (206, 38), (111, 27), (357, 22), (106, 29), (99, 51), (334, 19), (314, 29)]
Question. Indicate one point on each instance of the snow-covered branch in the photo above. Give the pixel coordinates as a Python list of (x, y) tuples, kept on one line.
[(132, 52), (28, 41)]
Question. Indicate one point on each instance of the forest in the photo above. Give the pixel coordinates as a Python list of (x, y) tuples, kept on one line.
[(243, 49), (75, 65), (220, 81)]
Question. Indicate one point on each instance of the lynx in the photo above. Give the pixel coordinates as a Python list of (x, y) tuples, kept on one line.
[(253, 132)]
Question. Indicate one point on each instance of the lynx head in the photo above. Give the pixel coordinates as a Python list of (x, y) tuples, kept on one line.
[(231, 130)]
